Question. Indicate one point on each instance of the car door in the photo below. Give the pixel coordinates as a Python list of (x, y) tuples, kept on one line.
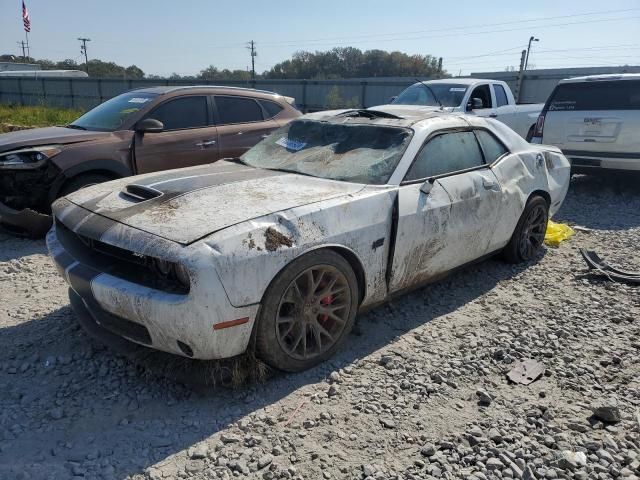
[(483, 92), (242, 122), (448, 207), (189, 136)]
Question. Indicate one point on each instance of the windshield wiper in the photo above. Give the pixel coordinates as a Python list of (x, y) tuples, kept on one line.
[(287, 170), (75, 127), (433, 94), (361, 112), (236, 160)]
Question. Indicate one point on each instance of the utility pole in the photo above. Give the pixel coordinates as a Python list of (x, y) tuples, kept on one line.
[(532, 39), (440, 65), (24, 50), (520, 76), (252, 49), (83, 49)]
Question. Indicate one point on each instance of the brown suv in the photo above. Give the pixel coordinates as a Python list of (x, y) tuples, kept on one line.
[(140, 131)]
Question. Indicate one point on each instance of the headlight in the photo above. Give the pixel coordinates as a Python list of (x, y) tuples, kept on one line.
[(171, 271), (28, 157)]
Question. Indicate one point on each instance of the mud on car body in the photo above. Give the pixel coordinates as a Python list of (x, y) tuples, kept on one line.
[(145, 130), (335, 212)]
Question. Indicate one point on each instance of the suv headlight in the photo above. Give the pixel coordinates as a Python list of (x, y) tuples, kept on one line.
[(29, 157)]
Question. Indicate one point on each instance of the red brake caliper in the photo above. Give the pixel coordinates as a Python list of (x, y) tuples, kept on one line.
[(328, 300)]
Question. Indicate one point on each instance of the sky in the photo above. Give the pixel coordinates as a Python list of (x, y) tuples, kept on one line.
[(165, 36)]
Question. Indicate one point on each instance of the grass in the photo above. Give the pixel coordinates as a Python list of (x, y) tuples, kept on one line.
[(37, 116)]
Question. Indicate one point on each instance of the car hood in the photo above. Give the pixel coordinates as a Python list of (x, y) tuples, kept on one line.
[(46, 136), (188, 204)]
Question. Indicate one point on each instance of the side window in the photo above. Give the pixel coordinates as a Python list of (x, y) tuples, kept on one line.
[(491, 147), (501, 95), (238, 110), (483, 93), (272, 108), (181, 113), (446, 153)]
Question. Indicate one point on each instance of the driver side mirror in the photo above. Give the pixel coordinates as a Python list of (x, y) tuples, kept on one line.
[(427, 186), (149, 125), (474, 104)]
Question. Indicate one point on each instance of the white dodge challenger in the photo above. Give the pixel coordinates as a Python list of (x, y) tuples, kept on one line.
[(279, 249)]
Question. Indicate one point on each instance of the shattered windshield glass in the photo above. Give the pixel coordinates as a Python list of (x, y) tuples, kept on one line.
[(357, 153)]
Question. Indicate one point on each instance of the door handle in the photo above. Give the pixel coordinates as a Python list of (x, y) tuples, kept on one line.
[(206, 143), (240, 133), (264, 135), (493, 115), (489, 184)]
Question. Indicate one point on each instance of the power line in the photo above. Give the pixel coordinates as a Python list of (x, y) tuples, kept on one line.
[(452, 34), (448, 29)]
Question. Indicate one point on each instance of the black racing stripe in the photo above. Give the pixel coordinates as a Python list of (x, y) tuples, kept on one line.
[(186, 185), (95, 226), (62, 261), (217, 167), (74, 216), (80, 277)]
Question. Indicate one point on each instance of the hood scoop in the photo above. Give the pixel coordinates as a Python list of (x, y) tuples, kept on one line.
[(140, 193)]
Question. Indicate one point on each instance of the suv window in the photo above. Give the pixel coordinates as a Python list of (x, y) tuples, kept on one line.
[(446, 153), (501, 95), (238, 110), (483, 93), (272, 108), (181, 113), (491, 146), (597, 95)]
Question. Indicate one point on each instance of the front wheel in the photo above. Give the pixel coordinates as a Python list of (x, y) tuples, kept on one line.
[(307, 311), (528, 237)]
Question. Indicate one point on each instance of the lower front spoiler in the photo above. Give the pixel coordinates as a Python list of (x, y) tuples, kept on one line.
[(92, 321), (25, 221)]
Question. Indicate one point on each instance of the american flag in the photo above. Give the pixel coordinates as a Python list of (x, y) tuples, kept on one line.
[(25, 18)]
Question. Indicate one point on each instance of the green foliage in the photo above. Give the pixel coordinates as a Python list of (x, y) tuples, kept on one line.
[(97, 68), (350, 62), (37, 116), (212, 73), (335, 100)]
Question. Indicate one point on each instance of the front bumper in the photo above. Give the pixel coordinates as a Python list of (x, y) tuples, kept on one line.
[(182, 324), (25, 221)]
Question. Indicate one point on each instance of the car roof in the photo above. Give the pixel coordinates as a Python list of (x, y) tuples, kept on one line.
[(459, 81), (408, 115), (161, 90), (595, 78)]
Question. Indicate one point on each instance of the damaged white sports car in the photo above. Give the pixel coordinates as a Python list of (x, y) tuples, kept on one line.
[(280, 248)]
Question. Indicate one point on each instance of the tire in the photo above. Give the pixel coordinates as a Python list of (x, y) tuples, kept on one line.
[(82, 181), (528, 237), (289, 332)]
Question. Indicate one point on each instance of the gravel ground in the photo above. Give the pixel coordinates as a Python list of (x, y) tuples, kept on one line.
[(419, 391)]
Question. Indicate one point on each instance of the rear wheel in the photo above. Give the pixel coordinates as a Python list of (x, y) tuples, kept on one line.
[(528, 237), (307, 311)]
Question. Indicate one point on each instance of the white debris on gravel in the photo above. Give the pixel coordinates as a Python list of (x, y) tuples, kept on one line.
[(420, 392)]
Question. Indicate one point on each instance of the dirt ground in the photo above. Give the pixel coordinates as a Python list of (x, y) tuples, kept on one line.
[(419, 391)]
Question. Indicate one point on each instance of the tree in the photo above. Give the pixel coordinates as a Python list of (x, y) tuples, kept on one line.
[(350, 62)]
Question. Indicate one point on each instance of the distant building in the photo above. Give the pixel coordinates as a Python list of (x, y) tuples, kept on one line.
[(6, 66)]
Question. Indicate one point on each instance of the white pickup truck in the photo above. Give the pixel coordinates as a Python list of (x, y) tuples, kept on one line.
[(485, 98)]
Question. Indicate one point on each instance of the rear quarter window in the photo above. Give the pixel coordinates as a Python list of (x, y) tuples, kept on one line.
[(598, 95)]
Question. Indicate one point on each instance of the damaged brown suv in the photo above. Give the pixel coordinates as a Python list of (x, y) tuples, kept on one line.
[(140, 131)]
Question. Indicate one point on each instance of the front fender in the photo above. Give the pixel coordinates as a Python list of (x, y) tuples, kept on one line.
[(248, 256)]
